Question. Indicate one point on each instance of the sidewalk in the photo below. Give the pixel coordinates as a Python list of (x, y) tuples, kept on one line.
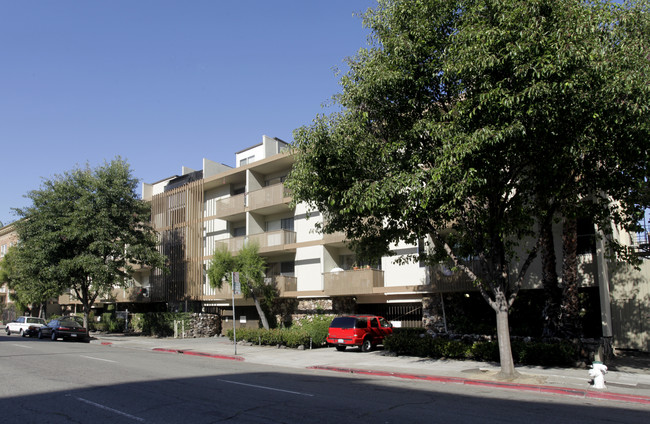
[(626, 381)]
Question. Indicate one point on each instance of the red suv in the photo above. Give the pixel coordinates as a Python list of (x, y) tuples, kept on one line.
[(365, 331)]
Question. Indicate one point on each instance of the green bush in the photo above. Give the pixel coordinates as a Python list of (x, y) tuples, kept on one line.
[(100, 326), (484, 352), (161, 324), (418, 343), (116, 325), (316, 326), (274, 337)]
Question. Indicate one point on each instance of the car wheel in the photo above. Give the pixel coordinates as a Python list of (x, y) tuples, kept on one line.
[(366, 346), (22, 333), (40, 334), (8, 332), (340, 348), (53, 336)]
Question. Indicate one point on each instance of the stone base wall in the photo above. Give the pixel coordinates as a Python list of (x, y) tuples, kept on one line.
[(204, 325), (288, 311), (432, 315)]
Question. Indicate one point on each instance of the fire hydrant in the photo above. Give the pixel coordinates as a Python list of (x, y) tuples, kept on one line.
[(597, 373)]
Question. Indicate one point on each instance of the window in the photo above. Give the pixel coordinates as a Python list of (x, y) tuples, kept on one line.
[(239, 232), (274, 181), (287, 268), (287, 224), (586, 237), (247, 160)]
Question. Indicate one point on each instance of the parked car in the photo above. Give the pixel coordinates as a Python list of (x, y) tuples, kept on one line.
[(25, 326), (65, 328), (365, 331)]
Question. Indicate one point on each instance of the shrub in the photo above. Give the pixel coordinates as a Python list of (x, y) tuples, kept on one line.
[(418, 343), (116, 325), (484, 352), (316, 326), (292, 337), (161, 324)]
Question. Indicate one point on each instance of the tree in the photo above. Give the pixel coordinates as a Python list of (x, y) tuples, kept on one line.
[(20, 270), (84, 231), (441, 135), (574, 76), (250, 266)]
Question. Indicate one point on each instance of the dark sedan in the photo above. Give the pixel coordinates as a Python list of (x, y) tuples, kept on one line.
[(64, 328)]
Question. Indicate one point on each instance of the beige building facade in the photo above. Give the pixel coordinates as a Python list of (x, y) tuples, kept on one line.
[(197, 211)]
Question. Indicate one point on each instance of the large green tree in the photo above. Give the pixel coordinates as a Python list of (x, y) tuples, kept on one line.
[(84, 232), (21, 270), (251, 268), (446, 128)]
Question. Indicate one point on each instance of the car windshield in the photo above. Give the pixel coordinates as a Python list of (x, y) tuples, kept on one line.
[(69, 323)]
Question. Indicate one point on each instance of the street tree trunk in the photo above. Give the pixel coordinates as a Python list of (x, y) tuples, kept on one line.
[(500, 306), (260, 311), (552, 293), (570, 324)]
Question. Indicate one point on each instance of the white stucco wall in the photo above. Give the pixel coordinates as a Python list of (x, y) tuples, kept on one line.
[(309, 268)]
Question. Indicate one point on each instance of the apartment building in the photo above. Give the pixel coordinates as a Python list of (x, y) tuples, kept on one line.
[(198, 210), (220, 205)]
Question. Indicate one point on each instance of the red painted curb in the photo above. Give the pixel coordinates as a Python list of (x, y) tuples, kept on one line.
[(193, 353), (499, 385), (107, 343), (160, 349), (212, 355)]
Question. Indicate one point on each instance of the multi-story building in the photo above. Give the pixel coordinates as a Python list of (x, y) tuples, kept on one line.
[(220, 205)]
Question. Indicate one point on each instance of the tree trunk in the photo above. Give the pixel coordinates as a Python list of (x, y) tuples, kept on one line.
[(260, 311), (571, 325), (503, 335), (551, 313)]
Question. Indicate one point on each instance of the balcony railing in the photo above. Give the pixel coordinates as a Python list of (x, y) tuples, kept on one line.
[(268, 196), (283, 283), (344, 283), (231, 206), (272, 240)]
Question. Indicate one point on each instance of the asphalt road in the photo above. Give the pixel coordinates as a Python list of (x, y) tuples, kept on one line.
[(66, 382)]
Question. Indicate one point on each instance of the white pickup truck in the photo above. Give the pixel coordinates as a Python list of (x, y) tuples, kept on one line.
[(25, 326)]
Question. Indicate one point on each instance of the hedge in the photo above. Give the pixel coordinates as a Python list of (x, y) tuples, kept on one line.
[(159, 324), (416, 343)]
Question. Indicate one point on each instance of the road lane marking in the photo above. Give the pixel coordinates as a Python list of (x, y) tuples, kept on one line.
[(26, 347), (133, 417), (266, 388), (97, 359)]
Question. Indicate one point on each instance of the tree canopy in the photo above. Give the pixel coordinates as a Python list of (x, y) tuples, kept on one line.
[(85, 231), (251, 268), (463, 117)]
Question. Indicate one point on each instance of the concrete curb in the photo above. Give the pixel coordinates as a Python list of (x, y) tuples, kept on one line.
[(194, 353), (588, 394)]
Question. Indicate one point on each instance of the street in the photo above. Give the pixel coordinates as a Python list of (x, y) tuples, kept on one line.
[(67, 382)]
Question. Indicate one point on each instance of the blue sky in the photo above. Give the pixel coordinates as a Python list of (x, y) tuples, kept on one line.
[(161, 83)]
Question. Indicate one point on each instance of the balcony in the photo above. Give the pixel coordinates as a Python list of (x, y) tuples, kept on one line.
[(267, 242), (346, 283), (230, 206), (267, 197), (283, 283)]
